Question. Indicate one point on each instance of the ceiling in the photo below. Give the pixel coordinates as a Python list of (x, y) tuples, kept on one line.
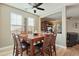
[(56, 16), (72, 13), (47, 6)]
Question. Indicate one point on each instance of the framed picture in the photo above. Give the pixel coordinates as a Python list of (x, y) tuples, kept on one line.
[(59, 28)]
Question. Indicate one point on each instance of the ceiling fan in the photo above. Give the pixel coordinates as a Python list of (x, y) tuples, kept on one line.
[(36, 6)]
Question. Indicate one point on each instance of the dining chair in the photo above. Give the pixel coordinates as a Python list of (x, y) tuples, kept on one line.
[(19, 47), (39, 45), (46, 44), (53, 44), (49, 44), (36, 45)]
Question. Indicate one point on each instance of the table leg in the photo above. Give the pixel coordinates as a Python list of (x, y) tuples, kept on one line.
[(33, 50)]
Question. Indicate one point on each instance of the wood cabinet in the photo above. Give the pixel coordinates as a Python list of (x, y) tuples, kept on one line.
[(45, 25)]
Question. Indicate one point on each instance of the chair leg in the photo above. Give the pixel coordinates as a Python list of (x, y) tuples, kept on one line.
[(16, 53), (21, 52), (42, 52), (54, 47), (26, 51), (50, 51), (13, 50)]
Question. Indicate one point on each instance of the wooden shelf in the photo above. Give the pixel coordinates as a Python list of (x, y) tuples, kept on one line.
[(45, 25)]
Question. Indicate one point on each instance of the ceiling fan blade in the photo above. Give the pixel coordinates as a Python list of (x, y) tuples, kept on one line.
[(38, 4), (40, 8)]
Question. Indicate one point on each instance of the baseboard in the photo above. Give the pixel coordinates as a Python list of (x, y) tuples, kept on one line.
[(7, 47), (60, 46), (6, 50)]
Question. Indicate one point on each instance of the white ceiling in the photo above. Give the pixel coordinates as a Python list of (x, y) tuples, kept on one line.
[(47, 6), (72, 13), (57, 16)]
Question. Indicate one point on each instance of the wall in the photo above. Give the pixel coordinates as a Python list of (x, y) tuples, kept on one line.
[(5, 33), (71, 26), (61, 38), (60, 41), (0, 21)]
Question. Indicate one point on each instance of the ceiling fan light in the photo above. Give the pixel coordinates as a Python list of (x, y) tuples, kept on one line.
[(34, 11)]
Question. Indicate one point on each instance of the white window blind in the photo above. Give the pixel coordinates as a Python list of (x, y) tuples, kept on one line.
[(16, 22), (30, 21), (30, 24)]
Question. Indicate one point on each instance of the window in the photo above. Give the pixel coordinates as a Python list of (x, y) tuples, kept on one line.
[(30, 25), (30, 21), (16, 22)]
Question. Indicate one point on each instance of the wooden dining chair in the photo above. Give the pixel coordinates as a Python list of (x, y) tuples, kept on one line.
[(36, 45), (39, 45), (46, 44), (49, 44), (53, 44), (19, 47)]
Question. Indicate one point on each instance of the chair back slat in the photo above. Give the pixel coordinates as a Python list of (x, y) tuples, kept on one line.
[(47, 40), (53, 39)]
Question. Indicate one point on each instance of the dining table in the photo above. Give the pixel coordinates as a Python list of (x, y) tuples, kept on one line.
[(32, 40)]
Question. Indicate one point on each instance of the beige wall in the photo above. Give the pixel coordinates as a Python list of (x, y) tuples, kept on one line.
[(61, 38), (5, 32), (71, 26)]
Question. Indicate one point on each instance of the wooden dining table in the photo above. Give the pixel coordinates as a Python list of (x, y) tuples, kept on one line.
[(32, 39)]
